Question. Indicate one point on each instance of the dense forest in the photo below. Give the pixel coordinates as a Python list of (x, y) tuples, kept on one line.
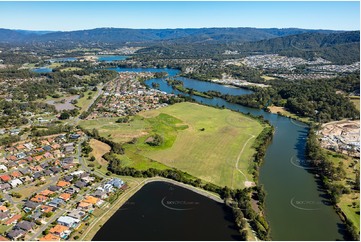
[(317, 100)]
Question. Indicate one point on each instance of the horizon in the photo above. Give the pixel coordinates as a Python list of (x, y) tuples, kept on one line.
[(45, 30), (72, 16)]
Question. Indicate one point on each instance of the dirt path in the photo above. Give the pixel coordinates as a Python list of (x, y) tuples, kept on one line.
[(246, 183)]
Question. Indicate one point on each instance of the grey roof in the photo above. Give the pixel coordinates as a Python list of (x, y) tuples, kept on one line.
[(25, 225), (15, 233), (5, 186), (47, 147), (4, 215), (54, 188), (31, 204), (68, 178), (55, 169), (56, 202), (80, 184)]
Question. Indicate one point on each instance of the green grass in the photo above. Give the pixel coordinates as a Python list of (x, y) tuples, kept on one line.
[(4, 228), (210, 154), (84, 102)]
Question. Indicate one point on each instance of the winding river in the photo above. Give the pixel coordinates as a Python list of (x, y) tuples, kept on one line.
[(297, 208)]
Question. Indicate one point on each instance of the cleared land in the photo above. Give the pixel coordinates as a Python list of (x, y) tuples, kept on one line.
[(203, 141), (99, 149)]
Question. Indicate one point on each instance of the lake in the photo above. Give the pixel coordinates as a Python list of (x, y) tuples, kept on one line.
[(111, 58), (163, 211)]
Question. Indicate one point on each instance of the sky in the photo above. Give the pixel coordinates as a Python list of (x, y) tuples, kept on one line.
[(66, 16)]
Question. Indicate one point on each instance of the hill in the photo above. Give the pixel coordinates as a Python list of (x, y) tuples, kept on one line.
[(124, 35)]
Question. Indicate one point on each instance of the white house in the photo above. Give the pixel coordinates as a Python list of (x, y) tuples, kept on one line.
[(3, 168), (16, 182), (68, 221)]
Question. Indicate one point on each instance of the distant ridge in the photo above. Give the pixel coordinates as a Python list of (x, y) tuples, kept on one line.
[(123, 35)]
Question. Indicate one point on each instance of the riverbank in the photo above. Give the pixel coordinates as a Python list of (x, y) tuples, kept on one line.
[(96, 225), (283, 112)]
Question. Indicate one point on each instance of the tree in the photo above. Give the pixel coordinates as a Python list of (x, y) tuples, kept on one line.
[(64, 115)]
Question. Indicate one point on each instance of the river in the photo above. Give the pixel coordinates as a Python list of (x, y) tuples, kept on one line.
[(297, 208)]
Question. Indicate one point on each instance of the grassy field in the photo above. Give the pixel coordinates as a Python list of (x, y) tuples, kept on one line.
[(347, 200), (84, 102), (356, 100), (70, 69), (267, 78), (211, 154)]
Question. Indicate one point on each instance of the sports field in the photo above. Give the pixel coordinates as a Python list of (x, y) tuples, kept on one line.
[(212, 144)]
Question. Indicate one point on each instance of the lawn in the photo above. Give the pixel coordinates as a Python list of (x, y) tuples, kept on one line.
[(118, 132), (84, 102), (211, 154), (356, 100)]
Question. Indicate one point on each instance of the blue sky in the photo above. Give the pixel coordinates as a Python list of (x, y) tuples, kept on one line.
[(87, 15)]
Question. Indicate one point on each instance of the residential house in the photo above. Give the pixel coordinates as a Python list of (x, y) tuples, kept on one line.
[(72, 190), (46, 208), (63, 184), (65, 196), (5, 187), (56, 202), (3, 208), (15, 234), (77, 214), (55, 146), (68, 178), (93, 200), (2, 238), (37, 175), (48, 155), (100, 194), (68, 221), (3, 168), (55, 170), (39, 198), (80, 184), (38, 158), (54, 188), (30, 205), (116, 182), (60, 230), (46, 193), (50, 237), (5, 178), (16, 182), (13, 220), (47, 148), (85, 206), (25, 225), (4, 215), (16, 174)]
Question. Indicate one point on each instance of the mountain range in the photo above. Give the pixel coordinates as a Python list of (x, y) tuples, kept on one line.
[(341, 47)]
